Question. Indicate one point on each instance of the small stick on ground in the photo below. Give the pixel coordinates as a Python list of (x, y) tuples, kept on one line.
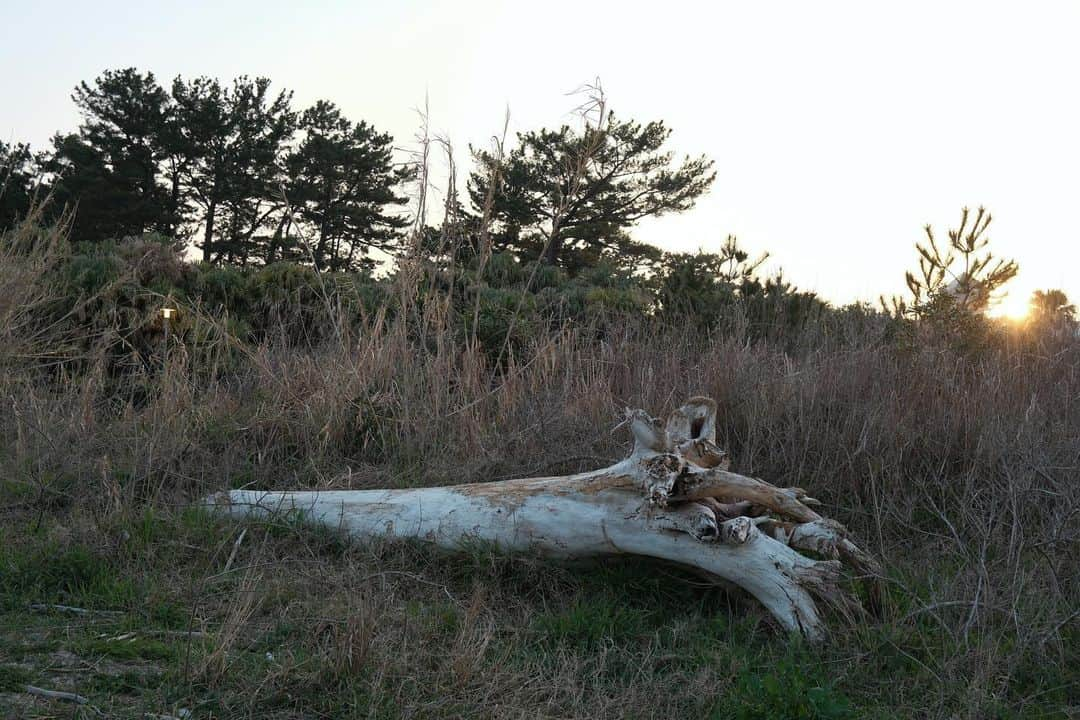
[(56, 695), (235, 548), (45, 607)]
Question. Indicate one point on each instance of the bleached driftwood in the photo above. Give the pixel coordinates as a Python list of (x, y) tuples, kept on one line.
[(673, 499)]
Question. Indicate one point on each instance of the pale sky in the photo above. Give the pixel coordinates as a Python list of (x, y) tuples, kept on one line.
[(838, 128)]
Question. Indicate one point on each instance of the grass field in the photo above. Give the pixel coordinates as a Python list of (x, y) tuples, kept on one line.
[(960, 473)]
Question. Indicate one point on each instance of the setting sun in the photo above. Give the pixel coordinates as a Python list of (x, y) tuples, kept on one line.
[(1015, 305)]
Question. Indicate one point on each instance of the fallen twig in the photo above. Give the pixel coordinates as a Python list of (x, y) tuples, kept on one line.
[(46, 607), (179, 633), (56, 695), (235, 548)]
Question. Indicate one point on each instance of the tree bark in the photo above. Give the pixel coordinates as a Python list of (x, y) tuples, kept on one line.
[(174, 200), (208, 236), (550, 256), (276, 240), (673, 499)]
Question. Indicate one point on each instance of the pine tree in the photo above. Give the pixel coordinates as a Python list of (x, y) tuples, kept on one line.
[(568, 198), (342, 186), (960, 277), (17, 182), (109, 169), (231, 142)]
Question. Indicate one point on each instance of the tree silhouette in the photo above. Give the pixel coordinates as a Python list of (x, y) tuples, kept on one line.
[(568, 197), (110, 168), (341, 183), (232, 142), (961, 276), (18, 178)]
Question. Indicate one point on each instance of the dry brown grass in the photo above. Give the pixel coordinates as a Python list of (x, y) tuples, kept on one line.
[(960, 474)]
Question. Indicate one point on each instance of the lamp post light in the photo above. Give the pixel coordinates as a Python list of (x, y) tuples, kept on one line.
[(166, 315)]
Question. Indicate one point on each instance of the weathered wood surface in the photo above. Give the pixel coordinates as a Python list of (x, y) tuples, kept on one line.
[(673, 499)]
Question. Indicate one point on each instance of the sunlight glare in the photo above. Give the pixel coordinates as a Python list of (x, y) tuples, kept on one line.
[(1014, 306)]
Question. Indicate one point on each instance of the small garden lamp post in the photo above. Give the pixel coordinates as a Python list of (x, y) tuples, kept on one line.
[(166, 315)]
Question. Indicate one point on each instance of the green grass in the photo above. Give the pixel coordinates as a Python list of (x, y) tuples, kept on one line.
[(588, 624), (131, 683), (790, 688), (51, 573), (123, 648), (614, 628), (14, 678)]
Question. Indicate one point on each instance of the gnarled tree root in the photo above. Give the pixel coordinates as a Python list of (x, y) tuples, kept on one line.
[(673, 499)]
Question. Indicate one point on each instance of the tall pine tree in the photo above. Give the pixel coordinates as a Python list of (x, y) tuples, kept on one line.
[(232, 142), (342, 185), (109, 170)]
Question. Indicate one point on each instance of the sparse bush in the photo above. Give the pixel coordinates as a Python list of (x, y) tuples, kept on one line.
[(954, 287)]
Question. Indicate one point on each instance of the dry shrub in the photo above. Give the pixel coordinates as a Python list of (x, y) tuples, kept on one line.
[(29, 254), (346, 642)]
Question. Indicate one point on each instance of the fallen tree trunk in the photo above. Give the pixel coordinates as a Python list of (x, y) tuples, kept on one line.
[(673, 499)]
